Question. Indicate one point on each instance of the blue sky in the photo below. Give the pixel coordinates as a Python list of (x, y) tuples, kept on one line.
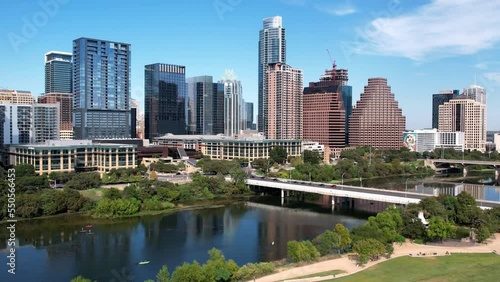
[(421, 47)]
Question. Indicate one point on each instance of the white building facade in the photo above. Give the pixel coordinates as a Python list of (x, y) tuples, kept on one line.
[(427, 140)]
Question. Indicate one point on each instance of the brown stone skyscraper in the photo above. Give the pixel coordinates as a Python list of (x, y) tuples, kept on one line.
[(377, 120), (65, 101)]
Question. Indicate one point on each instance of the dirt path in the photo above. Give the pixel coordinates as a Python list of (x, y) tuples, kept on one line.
[(349, 266)]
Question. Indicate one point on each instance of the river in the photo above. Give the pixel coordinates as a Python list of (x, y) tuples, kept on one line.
[(54, 249)]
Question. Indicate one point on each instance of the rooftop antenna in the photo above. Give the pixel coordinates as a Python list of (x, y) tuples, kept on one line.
[(334, 65)]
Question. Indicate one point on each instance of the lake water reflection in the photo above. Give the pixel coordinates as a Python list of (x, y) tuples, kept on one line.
[(55, 250)]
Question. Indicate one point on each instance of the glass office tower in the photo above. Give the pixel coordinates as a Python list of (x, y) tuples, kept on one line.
[(58, 72), (165, 92), (101, 100), (200, 104), (272, 49), (438, 100)]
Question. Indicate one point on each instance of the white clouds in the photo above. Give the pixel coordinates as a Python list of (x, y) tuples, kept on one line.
[(441, 28), (481, 66), (493, 76), (338, 11)]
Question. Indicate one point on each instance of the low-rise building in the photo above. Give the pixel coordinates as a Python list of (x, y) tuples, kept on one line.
[(73, 155), (427, 140), (242, 146)]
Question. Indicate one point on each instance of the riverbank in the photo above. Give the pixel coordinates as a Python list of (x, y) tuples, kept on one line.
[(191, 205), (350, 267)]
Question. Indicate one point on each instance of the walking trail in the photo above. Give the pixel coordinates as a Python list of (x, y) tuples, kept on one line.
[(350, 267)]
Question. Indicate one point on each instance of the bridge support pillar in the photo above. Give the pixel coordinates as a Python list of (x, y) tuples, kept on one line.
[(466, 171), (497, 174), (333, 202), (351, 203)]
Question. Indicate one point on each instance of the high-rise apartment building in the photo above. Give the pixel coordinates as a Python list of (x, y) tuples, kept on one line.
[(46, 122), (249, 115), (28, 123), (58, 72), (16, 97), (335, 81), (377, 120), (65, 101), (439, 99), (101, 100), (17, 123), (272, 49), (165, 93), (233, 92), (465, 115), (284, 102)]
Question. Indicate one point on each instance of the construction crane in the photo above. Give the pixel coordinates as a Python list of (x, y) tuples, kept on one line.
[(332, 61)]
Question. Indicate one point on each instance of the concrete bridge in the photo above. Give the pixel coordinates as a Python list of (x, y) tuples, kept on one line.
[(437, 164), (337, 192)]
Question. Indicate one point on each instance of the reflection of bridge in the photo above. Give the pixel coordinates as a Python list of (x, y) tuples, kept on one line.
[(345, 191), (465, 164)]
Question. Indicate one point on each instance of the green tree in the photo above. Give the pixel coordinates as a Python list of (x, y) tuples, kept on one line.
[(217, 269), (191, 272), (24, 170), (52, 202), (84, 181), (302, 251), (345, 235), (413, 227), (432, 207), (278, 155), (312, 157), (28, 205), (239, 176), (467, 210), (368, 249), (73, 200), (483, 233), (112, 194), (163, 275), (440, 229), (327, 242), (80, 279)]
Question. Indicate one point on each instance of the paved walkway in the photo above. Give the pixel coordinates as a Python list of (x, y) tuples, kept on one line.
[(349, 266)]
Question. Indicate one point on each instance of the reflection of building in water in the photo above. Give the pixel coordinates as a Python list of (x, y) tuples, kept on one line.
[(205, 224), (478, 191)]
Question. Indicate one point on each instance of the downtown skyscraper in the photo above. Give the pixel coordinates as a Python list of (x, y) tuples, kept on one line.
[(284, 87), (233, 101), (165, 92), (205, 106), (439, 99), (377, 120), (272, 49), (58, 72), (101, 100)]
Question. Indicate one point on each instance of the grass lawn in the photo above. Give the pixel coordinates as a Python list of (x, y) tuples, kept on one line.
[(321, 274), (457, 267), (93, 194)]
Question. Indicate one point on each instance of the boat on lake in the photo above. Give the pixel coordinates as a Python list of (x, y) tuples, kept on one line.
[(144, 262)]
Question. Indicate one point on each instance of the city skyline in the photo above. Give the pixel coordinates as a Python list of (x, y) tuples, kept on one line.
[(355, 27)]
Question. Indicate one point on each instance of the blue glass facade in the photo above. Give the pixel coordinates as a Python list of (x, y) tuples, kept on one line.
[(58, 72), (438, 100), (101, 81), (347, 102), (165, 92)]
